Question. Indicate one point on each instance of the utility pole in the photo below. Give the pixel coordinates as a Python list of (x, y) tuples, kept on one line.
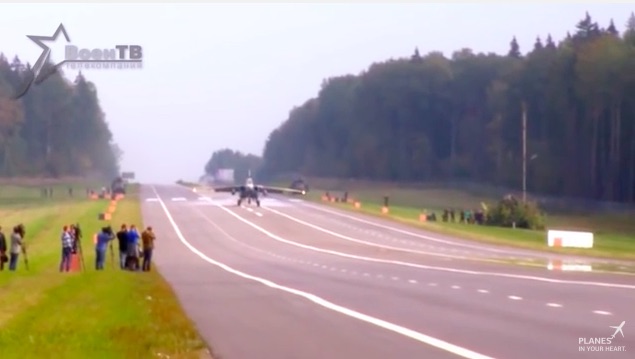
[(524, 126)]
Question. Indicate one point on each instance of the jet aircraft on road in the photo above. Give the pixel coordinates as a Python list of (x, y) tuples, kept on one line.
[(251, 191)]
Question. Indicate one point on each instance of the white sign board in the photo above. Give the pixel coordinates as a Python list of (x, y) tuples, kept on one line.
[(225, 175), (570, 239)]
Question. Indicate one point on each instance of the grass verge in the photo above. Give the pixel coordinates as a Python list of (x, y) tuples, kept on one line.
[(106, 314), (614, 235)]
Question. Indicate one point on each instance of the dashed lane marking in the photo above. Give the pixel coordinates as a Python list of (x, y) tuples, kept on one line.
[(352, 272), (417, 235), (435, 342), (420, 266), (601, 312)]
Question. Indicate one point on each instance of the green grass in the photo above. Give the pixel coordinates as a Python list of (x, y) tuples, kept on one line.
[(614, 234), (107, 314)]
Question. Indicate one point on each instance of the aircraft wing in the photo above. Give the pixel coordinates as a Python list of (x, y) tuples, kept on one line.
[(227, 189), (280, 190)]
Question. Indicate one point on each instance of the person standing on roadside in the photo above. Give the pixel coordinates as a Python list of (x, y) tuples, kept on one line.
[(133, 248), (67, 250), (17, 245), (103, 238), (122, 238), (147, 238), (3, 250)]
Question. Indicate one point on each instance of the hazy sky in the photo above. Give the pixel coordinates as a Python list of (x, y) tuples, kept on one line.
[(225, 75)]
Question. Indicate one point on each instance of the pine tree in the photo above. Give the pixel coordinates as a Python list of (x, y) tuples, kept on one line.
[(538, 44), (550, 44), (514, 49)]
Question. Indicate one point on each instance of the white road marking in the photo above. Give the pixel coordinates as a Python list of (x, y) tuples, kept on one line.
[(395, 278), (366, 275), (152, 200), (421, 266), (258, 214), (250, 209), (412, 281), (432, 284), (455, 349), (179, 199), (601, 312), (513, 297), (554, 305), (417, 235), (372, 244), (483, 291), (456, 287)]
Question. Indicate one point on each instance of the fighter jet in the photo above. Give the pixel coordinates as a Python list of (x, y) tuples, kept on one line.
[(251, 191)]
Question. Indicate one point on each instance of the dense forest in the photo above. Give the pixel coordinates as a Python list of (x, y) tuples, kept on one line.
[(56, 129), (242, 163), (432, 118)]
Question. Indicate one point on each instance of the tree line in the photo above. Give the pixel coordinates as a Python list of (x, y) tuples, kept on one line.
[(430, 117), (241, 163), (56, 129)]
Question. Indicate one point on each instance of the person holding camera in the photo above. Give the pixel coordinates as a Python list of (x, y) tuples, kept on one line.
[(133, 249), (103, 238)]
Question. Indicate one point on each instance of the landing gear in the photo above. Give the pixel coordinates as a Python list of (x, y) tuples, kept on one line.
[(248, 200), (240, 200), (258, 203)]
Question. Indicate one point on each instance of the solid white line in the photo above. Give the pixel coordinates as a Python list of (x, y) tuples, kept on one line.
[(513, 297), (483, 291), (178, 199), (417, 235), (601, 312), (421, 266), (412, 281), (258, 214), (456, 287), (454, 349), (249, 209), (554, 305), (372, 244)]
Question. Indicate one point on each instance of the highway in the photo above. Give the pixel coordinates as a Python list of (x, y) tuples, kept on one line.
[(298, 280)]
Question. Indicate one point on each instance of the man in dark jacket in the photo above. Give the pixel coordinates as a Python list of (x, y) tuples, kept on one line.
[(122, 238), (3, 250)]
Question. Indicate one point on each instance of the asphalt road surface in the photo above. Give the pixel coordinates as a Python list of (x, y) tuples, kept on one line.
[(298, 280)]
